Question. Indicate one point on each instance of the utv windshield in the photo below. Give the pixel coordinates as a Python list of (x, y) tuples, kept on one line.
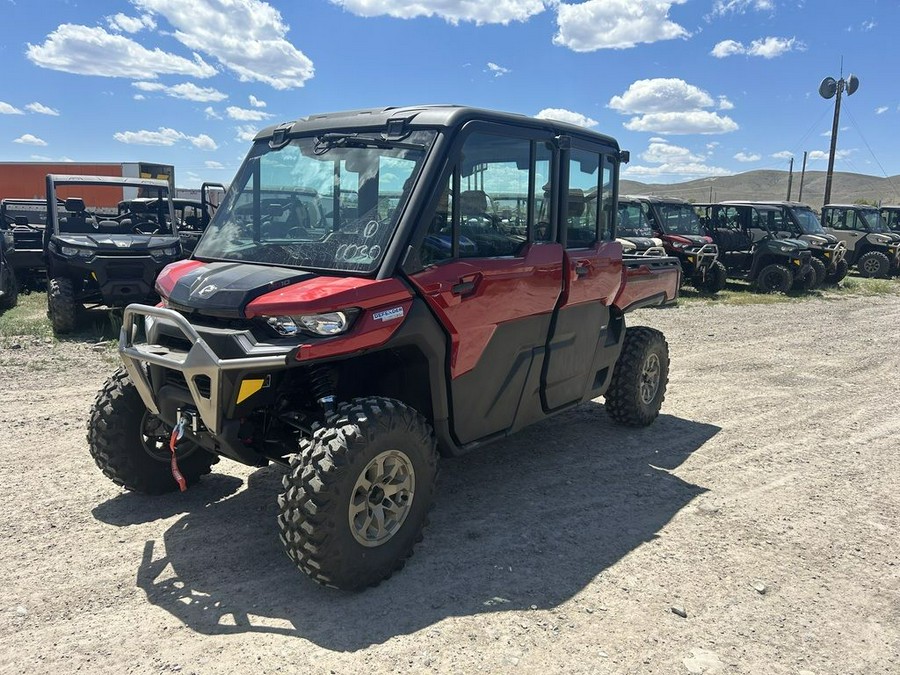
[(678, 219), (329, 202), (872, 220), (150, 217), (632, 222), (807, 221)]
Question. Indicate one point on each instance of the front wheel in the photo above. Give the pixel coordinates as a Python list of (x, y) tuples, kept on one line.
[(874, 264), (820, 270), (840, 271), (638, 385), (805, 281), (131, 446), (716, 277), (10, 288), (774, 279), (62, 307), (358, 493)]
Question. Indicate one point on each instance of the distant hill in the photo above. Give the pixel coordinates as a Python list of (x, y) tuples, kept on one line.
[(768, 184)]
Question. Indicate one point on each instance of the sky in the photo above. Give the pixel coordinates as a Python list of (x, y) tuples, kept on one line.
[(693, 88)]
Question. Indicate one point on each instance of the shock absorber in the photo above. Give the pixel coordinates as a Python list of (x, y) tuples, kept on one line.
[(321, 384)]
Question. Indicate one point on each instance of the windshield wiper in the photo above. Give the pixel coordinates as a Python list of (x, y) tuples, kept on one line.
[(326, 142)]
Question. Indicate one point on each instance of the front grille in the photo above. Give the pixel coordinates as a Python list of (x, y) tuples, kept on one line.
[(124, 270)]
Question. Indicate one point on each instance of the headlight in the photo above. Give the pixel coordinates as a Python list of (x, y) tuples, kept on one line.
[(330, 323), (163, 253), (75, 252), (786, 248), (881, 239)]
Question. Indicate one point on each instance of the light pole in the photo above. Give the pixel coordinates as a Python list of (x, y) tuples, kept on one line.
[(827, 89)]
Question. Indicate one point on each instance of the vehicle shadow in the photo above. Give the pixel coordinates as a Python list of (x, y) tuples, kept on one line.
[(528, 522)]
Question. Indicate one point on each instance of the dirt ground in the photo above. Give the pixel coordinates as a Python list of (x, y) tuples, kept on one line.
[(762, 505)]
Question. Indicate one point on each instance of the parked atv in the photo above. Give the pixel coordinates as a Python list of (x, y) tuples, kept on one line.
[(890, 215), (798, 221), (95, 259), (750, 249), (356, 353), (676, 224), (633, 230), (871, 246), (22, 222)]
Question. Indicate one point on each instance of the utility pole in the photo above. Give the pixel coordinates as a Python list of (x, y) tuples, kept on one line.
[(790, 178), (827, 89), (802, 176)]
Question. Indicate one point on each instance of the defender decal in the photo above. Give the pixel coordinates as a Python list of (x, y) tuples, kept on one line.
[(388, 314)]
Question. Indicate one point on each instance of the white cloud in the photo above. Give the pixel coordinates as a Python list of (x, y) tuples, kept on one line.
[(211, 164), (615, 24), (85, 50), (186, 90), (248, 37), (868, 25), (691, 122), (827, 132), (782, 154), (745, 157), (819, 155), (767, 47), (688, 170), (245, 115), (7, 109), (45, 158), (712, 145), (497, 70), (564, 115), (41, 109), (164, 136), (130, 24), (881, 109), (211, 113), (722, 7), (256, 103), (139, 97), (30, 139), (246, 133), (725, 104), (661, 95), (498, 11), (662, 152)]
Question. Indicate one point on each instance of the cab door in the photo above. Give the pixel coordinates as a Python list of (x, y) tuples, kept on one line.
[(582, 347), (493, 284)]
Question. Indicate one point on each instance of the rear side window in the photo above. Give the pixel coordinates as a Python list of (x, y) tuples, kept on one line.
[(590, 212)]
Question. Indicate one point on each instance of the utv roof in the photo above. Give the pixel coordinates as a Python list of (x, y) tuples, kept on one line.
[(393, 119), (653, 199), (73, 179), (761, 206), (867, 207), (769, 202)]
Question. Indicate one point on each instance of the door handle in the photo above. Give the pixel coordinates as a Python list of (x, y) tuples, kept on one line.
[(463, 287), (582, 270)]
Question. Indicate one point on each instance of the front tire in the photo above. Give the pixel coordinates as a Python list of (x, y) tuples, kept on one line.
[(358, 493), (820, 270), (61, 305), (716, 278), (130, 445), (10, 296), (805, 281), (774, 279), (874, 264), (840, 271), (638, 385)]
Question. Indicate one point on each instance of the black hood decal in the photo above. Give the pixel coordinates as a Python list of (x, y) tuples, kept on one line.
[(642, 243), (224, 289), (121, 243)]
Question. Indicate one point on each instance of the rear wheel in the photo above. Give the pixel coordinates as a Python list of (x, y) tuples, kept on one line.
[(638, 385), (840, 271), (874, 264), (61, 305), (716, 277), (774, 279), (357, 496), (131, 445)]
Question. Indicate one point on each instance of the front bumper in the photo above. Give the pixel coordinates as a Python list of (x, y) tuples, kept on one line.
[(832, 255), (210, 378), (698, 261)]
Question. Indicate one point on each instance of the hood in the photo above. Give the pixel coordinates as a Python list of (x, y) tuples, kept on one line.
[(119, 243), (697, 239), (224, 289), (642, 243)]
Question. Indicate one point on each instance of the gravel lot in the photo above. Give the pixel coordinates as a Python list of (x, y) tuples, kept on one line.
[(762, 506)]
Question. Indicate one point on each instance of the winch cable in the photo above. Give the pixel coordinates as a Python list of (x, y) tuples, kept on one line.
[(177, 435)]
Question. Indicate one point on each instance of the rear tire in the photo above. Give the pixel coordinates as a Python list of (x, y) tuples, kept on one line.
[(716, 278), (874, 264), (61, 306), (774, 279), (130, 445), (358, 493), (638, 385), (840, 271)]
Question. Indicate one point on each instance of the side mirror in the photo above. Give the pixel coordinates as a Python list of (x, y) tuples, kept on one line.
[(74, 204)]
